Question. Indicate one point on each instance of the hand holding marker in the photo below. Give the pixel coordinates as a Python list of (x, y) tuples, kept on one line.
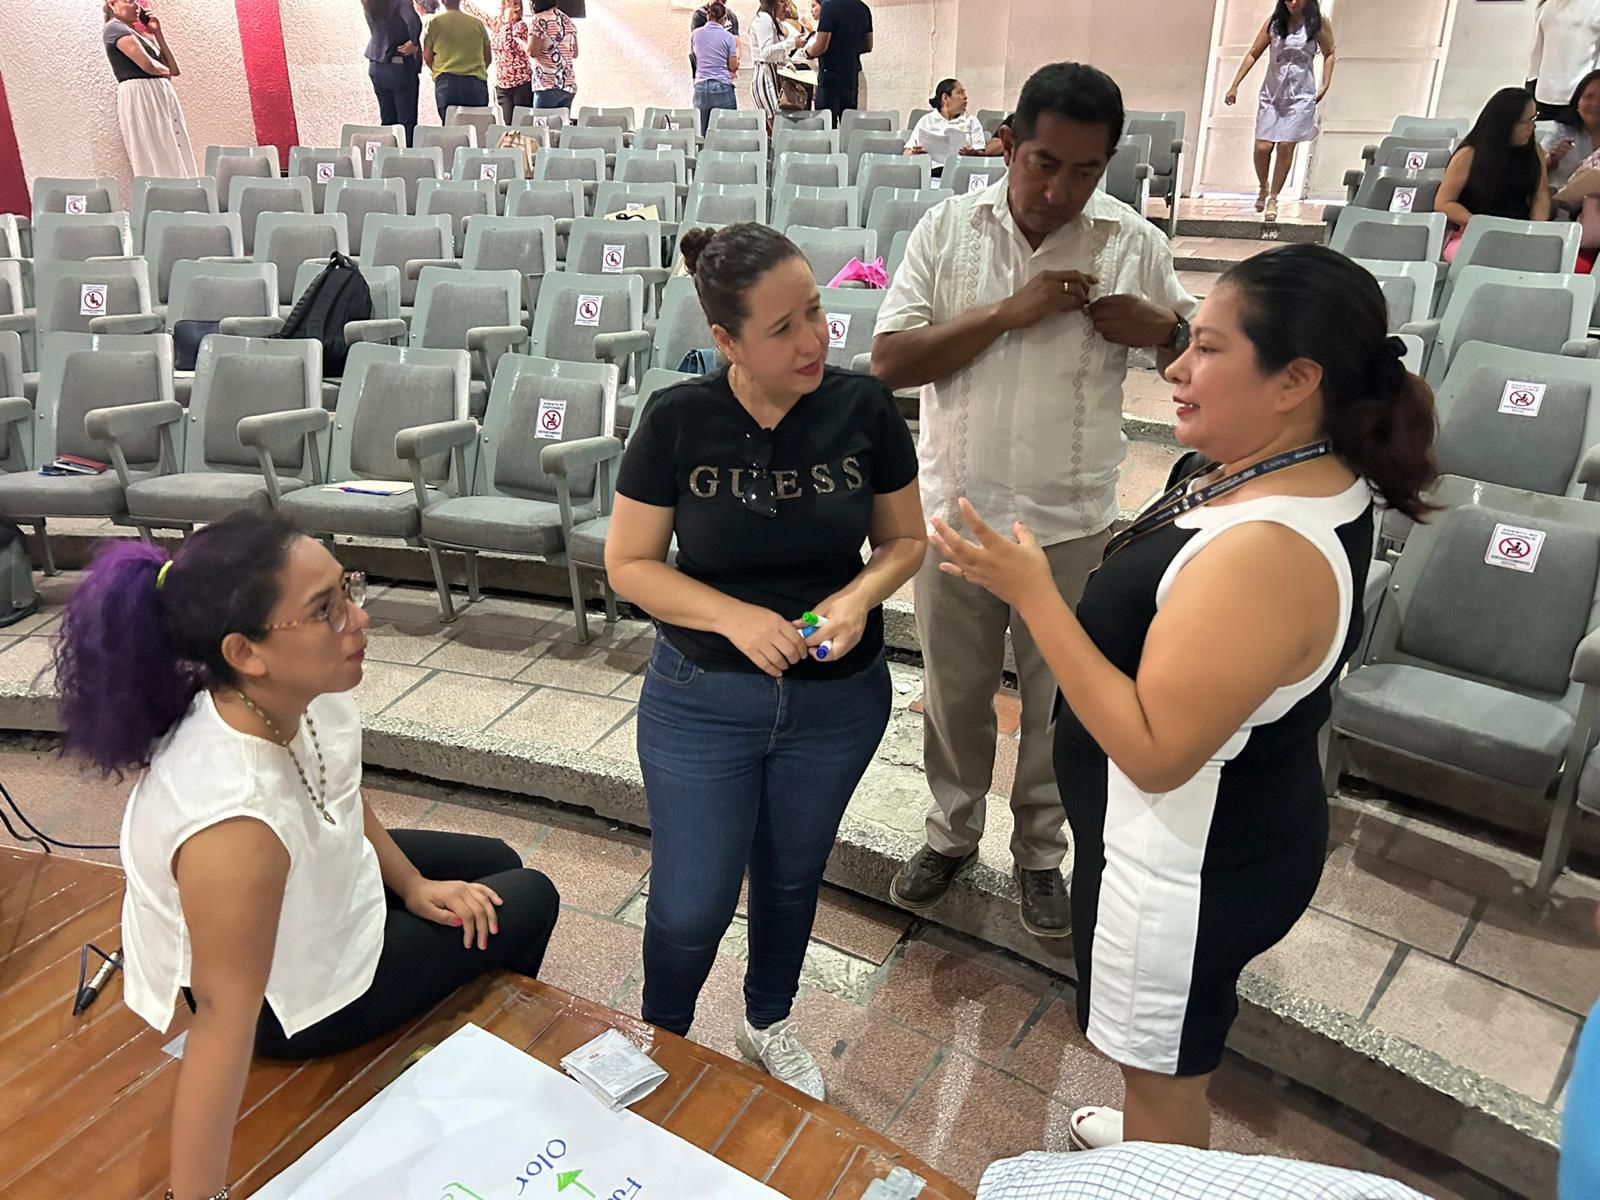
[(812, 624)]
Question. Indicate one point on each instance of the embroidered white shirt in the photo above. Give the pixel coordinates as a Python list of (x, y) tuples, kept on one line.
[(1031, 429)]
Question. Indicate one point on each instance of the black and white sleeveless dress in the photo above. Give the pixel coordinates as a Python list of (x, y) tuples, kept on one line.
[(1173, 893)]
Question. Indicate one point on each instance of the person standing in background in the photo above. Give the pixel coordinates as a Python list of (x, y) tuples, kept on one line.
[(553, 51), (153, 128), (728, 21), (1014, 311), (508, 39), (771, 44), (844, 34), (716, 53), (1566, 47), (394, 60), (455, 47), (1287, 114)]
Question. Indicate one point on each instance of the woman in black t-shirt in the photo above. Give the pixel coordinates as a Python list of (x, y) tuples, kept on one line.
[(752, 736)]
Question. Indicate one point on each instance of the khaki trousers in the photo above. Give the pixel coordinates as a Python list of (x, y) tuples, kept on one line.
[(962, 629)]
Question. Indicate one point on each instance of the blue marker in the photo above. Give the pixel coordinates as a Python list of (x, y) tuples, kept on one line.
[(812, 624)]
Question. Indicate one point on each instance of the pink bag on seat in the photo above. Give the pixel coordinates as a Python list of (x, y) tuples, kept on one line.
[(870, 274)]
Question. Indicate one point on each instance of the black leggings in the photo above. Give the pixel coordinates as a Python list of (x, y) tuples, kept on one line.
[(511, 98), (423, 962)]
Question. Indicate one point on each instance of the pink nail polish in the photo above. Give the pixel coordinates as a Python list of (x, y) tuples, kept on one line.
[(455, 921)]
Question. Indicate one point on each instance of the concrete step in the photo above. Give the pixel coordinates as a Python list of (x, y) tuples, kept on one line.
[(1252, 228), (1216, 253)]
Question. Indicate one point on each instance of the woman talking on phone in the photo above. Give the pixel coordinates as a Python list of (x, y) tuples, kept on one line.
[(260, 883), (772, 473), (152, 121)]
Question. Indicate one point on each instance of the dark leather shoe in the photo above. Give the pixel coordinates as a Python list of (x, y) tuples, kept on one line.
[(924, 880), (1046, 907)]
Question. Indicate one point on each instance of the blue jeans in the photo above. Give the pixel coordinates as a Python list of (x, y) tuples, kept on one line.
[(468, 91), (743, 771), (710, 94), (553, 98)]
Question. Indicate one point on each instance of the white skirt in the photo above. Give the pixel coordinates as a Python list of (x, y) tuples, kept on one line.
[(153, 129)]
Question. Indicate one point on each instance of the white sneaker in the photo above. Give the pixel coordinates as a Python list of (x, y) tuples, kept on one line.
[(1095, 1128), (781, 1052)]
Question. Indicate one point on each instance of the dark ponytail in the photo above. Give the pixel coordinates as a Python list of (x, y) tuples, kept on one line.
[(1305, 301), (142, 635), (727, 262)]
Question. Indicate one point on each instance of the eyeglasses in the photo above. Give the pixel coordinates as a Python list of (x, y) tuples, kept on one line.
[(759, 494), (352, 593)]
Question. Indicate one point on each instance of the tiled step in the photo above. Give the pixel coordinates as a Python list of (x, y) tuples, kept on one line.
[(1199, 283)]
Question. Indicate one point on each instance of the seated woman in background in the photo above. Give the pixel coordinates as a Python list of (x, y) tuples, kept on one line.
[(1575, 135), (1497, 170), (948, 130), (260, 883)]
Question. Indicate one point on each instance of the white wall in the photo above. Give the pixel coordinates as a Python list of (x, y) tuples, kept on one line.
[(1488, 51)]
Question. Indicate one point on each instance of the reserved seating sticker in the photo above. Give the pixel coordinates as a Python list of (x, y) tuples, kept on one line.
[(1521, 398), (1514, 547)]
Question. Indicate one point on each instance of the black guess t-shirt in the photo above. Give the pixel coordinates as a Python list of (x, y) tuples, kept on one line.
[(837, 449)]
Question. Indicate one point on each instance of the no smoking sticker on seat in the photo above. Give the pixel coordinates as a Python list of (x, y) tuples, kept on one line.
[(1522, 399), (588, 311), (1514, 547), (92, 300), (838, 330), (552, 419)]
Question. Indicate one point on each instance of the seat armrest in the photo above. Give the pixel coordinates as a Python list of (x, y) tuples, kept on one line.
[(654, 277), (862, 363), (262, 327), (14, 410), (265, 430), (383, 330), (1330, 216), (1369, 153), (1586, 661), (124, 421), (488, 338), (1427, 330), (616, 348), (129, 323), (414, 265), (1176, 146), (23, 323), (1589, 473), (562, 459), (1142, 171), (564, 226), (1580, 348), (425, 441)]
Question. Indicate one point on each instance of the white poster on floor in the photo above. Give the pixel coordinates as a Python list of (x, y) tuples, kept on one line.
[(477, 1119)]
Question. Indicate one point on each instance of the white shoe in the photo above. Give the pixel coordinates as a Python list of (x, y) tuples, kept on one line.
[(781, 1052), (1095, 1128)]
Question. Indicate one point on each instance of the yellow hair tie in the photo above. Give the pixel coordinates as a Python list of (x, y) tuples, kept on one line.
[(161, 575)]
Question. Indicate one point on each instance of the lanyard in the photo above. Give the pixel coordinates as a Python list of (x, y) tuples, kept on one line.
[(1180, 500)]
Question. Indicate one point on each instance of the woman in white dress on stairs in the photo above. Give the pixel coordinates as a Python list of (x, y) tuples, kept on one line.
[(1287, 114)]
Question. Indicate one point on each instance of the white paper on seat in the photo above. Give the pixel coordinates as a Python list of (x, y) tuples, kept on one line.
[(477, 1119)]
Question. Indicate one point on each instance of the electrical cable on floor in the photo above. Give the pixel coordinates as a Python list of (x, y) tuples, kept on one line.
[(38, 835)]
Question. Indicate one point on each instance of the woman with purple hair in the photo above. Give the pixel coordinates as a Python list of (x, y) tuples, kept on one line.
[(260, 883)]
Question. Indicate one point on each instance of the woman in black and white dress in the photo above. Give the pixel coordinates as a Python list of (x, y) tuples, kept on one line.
[(1199, 667)]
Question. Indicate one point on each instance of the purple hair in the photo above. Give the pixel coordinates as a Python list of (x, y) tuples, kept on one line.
[(136, 646)]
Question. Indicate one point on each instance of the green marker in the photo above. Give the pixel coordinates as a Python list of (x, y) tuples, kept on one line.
[(812, 624), (567, 1179)]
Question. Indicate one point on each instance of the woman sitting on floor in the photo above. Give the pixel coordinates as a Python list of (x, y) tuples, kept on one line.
[(259, 881)]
